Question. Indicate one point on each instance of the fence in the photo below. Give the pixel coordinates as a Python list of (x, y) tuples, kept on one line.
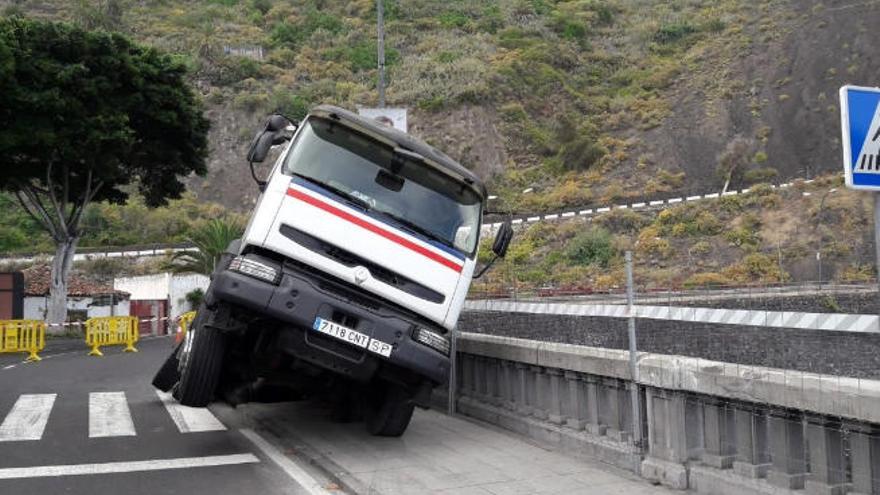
[(23, 336), (709, 426), (111, 330)]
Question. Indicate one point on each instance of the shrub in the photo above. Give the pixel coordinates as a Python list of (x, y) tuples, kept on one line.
[(671, 33), (756, 267), (450, 20), (763, 174), (288, 104), (594, 246), (649, 242), (623, 221)]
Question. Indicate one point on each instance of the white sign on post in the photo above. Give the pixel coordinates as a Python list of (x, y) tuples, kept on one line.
[(860, 124)]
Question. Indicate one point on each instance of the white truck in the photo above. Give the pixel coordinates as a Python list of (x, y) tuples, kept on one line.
[(349, 277)]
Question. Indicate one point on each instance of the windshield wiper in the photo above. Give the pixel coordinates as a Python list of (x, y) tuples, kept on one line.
[(413, 227), (335, 190)]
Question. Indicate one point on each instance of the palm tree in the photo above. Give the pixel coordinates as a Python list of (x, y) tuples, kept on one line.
[(211, 240)]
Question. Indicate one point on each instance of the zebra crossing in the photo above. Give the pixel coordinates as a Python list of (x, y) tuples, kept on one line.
[(109, 416)]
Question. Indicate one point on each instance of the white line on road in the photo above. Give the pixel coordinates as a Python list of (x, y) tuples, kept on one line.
[(28, 418), (190, 419), (109, 415), (126, 467), (298, 474), (9, 367)]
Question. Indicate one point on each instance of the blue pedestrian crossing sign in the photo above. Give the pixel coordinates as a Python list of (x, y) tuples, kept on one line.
[(860, 123)]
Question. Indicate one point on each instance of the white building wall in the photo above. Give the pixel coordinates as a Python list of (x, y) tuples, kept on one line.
[(146, 287), (164, 286), (35, 307), (181, 285)]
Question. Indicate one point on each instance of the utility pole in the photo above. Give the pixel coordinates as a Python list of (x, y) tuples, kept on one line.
[(635, 393), (381, 22)]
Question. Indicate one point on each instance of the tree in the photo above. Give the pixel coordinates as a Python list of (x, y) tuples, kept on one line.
[(211, 240), (733, 161), (88, 116)]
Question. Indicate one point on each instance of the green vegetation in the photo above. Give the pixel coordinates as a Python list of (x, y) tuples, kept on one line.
[(731, 241), (87, 116), (211, 239)]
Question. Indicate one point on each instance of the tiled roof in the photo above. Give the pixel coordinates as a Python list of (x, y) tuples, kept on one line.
[(36, 283)]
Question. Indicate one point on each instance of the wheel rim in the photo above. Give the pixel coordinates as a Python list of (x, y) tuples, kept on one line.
[(187, 348)]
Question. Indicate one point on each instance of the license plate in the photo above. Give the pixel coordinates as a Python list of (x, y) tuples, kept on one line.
[(352, 337), (379, 347), (341, 332)]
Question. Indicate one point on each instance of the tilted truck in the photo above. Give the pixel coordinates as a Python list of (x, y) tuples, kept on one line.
[(349, 278)]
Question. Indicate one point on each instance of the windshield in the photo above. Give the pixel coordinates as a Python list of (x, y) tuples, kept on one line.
[(392, 186)]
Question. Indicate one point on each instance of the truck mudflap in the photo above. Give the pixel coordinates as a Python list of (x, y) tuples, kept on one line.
[(302, 300)]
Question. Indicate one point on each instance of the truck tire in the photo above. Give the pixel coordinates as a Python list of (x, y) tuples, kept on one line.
[(168, 374), (388, 414), (200, 362)]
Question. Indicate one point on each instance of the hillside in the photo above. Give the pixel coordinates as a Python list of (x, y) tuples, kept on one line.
[(582, 100)]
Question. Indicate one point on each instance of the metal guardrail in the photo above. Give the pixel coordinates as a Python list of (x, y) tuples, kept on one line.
[(111, 330), (23, 336)]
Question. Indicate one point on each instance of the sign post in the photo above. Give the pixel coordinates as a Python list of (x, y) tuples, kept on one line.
[(860, 125)]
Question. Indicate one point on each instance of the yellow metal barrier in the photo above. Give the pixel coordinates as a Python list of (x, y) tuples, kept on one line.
[(23, 336), (111, 330)]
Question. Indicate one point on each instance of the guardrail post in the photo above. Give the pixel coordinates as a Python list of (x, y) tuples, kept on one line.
[(493, 385), (523, 406), (610, 410), (539, 390), (752, 459), (510, 385), (480, 378), (670, 417), (718, 431), (594, 421), (577, 402), (827, 465), (556, 398), (865, 444), (786, 451)]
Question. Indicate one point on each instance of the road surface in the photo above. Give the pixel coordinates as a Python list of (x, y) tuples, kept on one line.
[(88, 426)]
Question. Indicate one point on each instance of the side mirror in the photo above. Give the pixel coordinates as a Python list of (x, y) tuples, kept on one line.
[(266, 138), (499, 246), (260, 146), (502, 239)]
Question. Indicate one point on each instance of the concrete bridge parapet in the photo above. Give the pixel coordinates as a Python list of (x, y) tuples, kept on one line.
[(708, 426)]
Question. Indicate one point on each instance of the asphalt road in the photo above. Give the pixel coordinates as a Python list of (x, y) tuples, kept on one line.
[(93, 425)]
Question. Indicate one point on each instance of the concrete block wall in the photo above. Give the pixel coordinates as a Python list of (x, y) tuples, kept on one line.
[(814, 351), (707, 426)]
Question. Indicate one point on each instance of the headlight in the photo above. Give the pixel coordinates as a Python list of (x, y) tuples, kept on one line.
[(255, 269), (431, 339)]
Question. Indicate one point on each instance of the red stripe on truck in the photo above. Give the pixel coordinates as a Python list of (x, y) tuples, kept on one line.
[(391, 236)]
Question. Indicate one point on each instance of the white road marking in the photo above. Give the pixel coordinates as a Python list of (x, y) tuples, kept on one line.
[(297, 473), (109, 415), (28, 418), (190, 419), (126, 467), (9, 367)]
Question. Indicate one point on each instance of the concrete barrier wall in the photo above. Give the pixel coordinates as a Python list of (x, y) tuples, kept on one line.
[(709, 426), (815, 351)]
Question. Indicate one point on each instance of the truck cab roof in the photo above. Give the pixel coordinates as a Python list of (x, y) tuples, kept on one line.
[(403, 140)]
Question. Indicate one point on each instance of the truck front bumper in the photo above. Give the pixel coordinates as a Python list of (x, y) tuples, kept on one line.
[(301, 296)]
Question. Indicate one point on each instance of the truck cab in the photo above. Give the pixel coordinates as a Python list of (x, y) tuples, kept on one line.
[(349, 278)]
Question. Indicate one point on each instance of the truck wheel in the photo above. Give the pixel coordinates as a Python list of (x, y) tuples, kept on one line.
[(200, 362), (388, 414), (168, 374)]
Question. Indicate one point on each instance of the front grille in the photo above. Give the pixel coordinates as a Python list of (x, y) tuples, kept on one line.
[(350, 259)]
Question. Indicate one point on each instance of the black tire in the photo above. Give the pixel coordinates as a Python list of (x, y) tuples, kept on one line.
[(168, 374), (200, 369), (388, 414)]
